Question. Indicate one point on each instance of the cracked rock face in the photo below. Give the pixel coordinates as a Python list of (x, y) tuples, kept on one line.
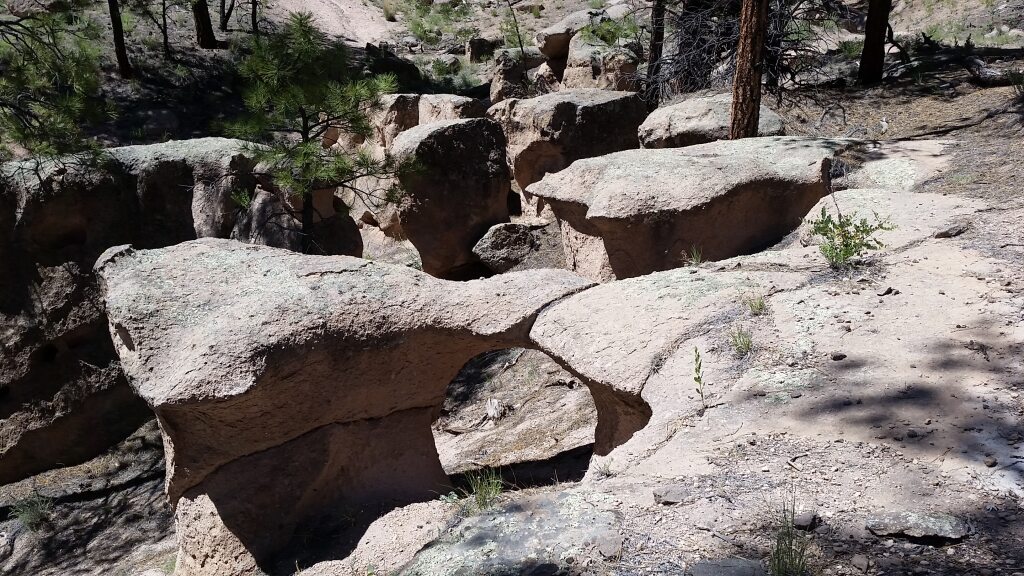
[(639, 211), (549, 132), (58, 370), (288, 385)]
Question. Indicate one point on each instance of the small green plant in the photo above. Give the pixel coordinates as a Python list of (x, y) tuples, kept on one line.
[(596, 4), (170, 564), (485, 487), (33, 512), (694, 257), (755, 304), (851, 48), (789, 549), (449, 498), (698, 378), (846, 238), (742, 342), (612, 31), (535, 11)]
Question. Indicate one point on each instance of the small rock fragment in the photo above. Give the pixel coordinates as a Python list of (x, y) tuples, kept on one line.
[(837, 356)]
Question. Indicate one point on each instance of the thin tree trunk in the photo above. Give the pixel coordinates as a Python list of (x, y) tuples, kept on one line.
[(164, 31), (124, 67), (872, 58), (204, 26), (254, 16), (226, 9), (307, 223), (653, 95), (746, 88)]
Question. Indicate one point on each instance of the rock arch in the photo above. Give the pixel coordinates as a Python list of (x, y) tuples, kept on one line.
[(290, 388)]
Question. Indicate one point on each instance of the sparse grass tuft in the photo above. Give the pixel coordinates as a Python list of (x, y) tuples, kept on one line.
[(851, 49), (756, 305), (390, 8), (789, 549), (742, 342), (603, 469), (846, 238), (485, 487), (694, 257), (33, 512)]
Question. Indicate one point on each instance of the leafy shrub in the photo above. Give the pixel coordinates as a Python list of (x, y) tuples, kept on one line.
[(851, 49), (611, 32), (846, 238)]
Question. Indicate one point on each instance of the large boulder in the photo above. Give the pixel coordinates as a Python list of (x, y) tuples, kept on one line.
[(699, 121), (592, 63), (511, 73), (553, 41), (547, 133), (59, 375), (638, 211), (454, 186), (296, 391)]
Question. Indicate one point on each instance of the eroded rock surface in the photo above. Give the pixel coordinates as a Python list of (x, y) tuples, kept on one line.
[(699, 121), (639, 211), (547, 133), (281, 380), (592, 63), (456, 189), (58, 371)]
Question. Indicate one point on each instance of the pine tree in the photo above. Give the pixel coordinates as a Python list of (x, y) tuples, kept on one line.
[(872, 57), (49, 80), (298, 88), (746, 99)]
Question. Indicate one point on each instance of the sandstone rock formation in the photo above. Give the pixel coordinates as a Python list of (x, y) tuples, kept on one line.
[(511, 67), (58, 371), (594, 64), (639, 211), (698, 121), (456, 186), (287, 386), (553, 41), (547, 133)]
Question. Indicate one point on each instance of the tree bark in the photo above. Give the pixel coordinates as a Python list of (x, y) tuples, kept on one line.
[(653, 95), (872, 58), (204, 26), (226, 9), (254, 16), (164, 31), (746, 88), (124, 66), (307, 223)]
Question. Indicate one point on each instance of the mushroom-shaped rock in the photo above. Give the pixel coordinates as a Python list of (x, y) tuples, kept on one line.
[(639, 211), (549, 132), (699, 121), (294, 390), (454, 186)]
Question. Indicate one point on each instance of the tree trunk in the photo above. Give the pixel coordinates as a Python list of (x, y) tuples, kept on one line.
[(872, 58), (746, 88), (226, 9), (653, 95), (307, 223), (254, 16), (204, 26), (164, 31), (124, 67)]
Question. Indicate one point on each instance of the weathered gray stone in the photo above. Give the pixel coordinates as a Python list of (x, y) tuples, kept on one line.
[(504, 246), (911, 524), (594, 64), (698, 121), (542, 534)]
